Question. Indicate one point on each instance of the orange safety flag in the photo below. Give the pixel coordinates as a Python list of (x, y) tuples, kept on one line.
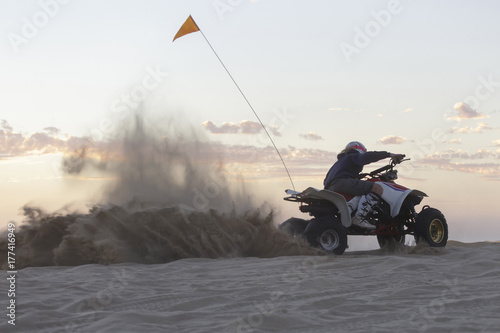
[(188, 27)]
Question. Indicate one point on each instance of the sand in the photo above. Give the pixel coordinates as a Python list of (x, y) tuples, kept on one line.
[(202, 257), (417, 289)]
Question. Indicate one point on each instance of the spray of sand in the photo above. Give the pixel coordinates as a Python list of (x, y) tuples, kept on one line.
[(172, 199)]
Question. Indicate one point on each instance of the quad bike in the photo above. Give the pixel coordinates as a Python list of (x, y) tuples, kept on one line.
[(394, 216)]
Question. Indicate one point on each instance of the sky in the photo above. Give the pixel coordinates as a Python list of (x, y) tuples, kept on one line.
[(413, 77)]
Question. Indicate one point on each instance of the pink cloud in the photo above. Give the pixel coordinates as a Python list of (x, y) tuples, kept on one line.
[(223, 129), (244, 127), (456, 141), (465, 111), (482, 162), (311, 136), (465, 130), (250, 127), (13, 144), (392, 140), (274, 130)]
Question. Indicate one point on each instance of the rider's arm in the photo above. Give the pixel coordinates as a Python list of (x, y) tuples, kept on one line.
[(371, 156)]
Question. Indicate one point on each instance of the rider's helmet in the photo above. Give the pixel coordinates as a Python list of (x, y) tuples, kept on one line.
[(356, 145)]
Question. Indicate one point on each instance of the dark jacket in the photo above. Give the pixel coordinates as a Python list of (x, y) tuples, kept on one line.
[(350, 164)]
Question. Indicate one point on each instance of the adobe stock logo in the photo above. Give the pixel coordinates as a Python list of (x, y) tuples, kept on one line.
[(39, 20), (224, 6), (373, 28)]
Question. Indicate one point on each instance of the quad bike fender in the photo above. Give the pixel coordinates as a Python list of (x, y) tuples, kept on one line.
[(337, 199), (395, 195)]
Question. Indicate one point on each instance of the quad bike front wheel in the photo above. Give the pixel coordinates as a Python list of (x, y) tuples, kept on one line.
[(328, 233), (431, 227)]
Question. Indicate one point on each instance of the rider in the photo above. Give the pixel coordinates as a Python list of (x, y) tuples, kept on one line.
[(343, 177)]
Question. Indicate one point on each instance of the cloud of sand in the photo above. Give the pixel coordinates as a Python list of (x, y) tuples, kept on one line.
[(162, 162), (172, 198), (117, 234)]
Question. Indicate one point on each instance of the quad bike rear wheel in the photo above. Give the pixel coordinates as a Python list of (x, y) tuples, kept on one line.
[(293, 226), (431, 227), (328, 233)]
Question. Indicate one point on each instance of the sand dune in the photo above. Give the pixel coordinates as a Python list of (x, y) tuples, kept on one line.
[(164, 268), (417, 289)]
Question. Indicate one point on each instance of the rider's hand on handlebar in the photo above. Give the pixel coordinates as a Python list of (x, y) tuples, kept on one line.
[(397, 158)]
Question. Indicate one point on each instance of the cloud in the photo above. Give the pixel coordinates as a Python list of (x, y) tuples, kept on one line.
[(5, 125), (464, 155), (14, 144), (465, 111), (253, 161), (274, 130), (52, 130), (264, 162), (481, 162), (244, 127), (246, 154), (311, 136), (478, 129), (250, 127), (250, 161), (408, 110), (223, 129), (392, 140), (456, 141), (483, 169)]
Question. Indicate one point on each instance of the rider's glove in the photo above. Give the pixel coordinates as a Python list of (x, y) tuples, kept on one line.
[(397, 157)]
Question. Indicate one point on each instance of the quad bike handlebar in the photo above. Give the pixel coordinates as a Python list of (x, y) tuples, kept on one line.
[(395, 160), (398, 158)]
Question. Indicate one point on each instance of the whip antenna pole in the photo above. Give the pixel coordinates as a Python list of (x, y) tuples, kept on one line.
[(251, 107), (190, 26)]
